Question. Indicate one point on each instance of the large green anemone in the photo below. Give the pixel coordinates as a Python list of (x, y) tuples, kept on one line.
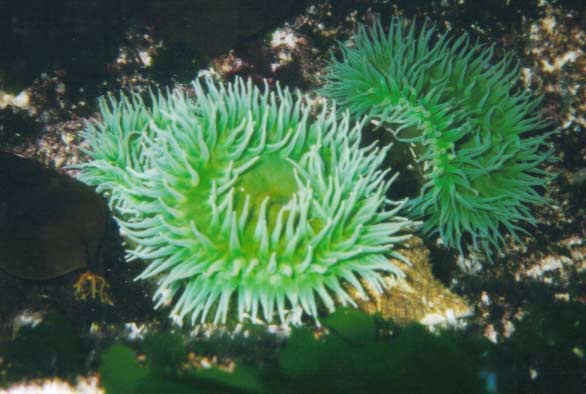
[(241, 195), (476, 136)]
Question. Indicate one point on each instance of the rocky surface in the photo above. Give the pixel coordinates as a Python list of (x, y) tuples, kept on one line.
[(418, 297), (43, 121)]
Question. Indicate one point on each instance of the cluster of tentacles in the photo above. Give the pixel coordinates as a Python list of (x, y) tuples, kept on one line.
[(242, 195), (477, 138), (255, 197)]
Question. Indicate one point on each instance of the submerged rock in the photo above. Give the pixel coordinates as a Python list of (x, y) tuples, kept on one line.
[(419, 297), (50, 224)]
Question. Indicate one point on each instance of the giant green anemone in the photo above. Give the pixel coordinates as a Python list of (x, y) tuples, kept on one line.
[(239, 195), (479, 139)]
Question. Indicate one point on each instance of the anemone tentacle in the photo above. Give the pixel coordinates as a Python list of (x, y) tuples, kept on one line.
[(242, 195), (479, 139)]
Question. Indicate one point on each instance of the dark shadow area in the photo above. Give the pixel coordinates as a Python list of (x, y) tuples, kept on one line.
[(16, 127), (195, 32), (41, 35)]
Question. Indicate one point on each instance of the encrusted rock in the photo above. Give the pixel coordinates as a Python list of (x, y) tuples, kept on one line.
[(419, 297)]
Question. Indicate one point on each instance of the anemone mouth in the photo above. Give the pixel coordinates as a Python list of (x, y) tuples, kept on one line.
[(473, 130), (272, 178), (240, 196)]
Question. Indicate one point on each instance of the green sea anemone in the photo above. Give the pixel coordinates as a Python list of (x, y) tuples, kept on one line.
[(239, 194), (477, 138)]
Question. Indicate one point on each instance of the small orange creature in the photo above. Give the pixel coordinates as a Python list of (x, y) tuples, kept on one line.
[(94, 286)]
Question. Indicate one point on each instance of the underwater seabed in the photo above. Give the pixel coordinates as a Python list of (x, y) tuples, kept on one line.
[(456, 314)]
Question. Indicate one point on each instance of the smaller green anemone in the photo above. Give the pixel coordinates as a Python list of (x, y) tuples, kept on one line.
[(477, 138), (241, 195)]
